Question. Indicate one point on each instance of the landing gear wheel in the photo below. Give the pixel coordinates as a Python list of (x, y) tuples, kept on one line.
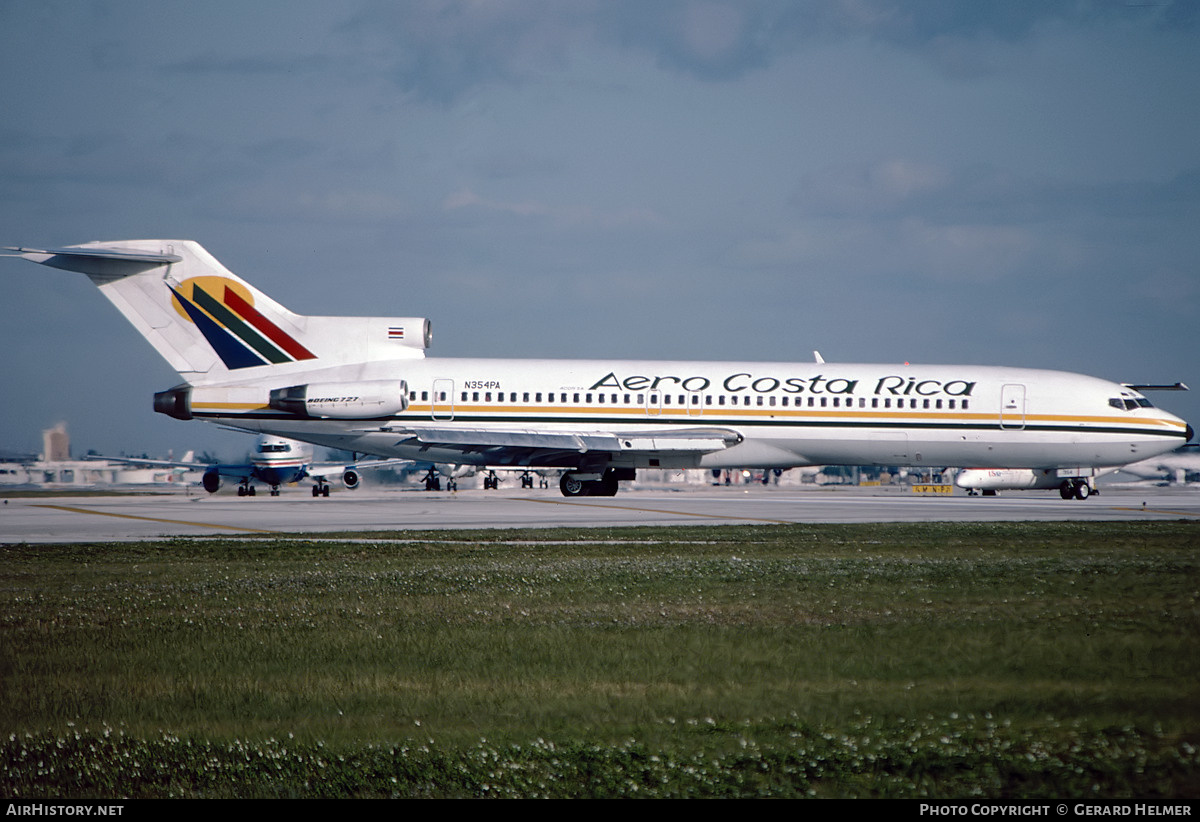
[(572, 487), (606, 487), (316, 490), (1066, 491), (1082, 491)]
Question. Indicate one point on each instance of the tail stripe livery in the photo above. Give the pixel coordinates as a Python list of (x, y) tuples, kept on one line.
[(231, 353), (235, 325), (223, 328), (274, 332)]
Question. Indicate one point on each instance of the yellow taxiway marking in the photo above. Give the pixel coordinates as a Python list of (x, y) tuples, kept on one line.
[(153, 519), (654, 510)]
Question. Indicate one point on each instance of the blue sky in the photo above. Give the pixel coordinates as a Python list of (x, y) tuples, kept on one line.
[(1010, 183)]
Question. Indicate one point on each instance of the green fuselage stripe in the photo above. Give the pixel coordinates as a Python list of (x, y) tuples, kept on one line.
[(709, 420), (234, 323)]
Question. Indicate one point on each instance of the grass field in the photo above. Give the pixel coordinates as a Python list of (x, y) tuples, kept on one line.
[(943, 660)]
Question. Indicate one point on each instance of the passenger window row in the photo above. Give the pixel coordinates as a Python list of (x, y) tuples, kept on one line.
[(718, 400)]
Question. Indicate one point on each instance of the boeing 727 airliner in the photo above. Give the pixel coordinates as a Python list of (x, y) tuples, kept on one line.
[(276, 461), (364, 384)]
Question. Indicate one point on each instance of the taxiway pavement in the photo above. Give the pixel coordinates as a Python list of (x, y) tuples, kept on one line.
[(46, 519)]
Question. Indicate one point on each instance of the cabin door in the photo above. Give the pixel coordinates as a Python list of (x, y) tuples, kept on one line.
[(654, 403), (1012, 406), (442, 400)]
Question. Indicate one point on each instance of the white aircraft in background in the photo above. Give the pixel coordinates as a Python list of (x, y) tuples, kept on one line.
[(276, 461), (363, 384), (991, 480), (1176, 466)]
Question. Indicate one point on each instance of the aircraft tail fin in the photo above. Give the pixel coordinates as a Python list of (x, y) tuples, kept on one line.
[(213, 326)]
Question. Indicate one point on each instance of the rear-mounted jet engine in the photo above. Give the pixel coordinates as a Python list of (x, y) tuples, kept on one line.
[(342, 400)]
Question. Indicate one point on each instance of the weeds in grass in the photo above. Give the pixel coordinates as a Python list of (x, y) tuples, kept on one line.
[(948, 758)]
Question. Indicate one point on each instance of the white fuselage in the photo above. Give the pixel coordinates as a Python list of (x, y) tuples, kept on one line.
[(786, 414), (278, 461)]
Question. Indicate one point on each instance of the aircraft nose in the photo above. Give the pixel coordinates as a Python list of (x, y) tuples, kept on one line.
[(1191, 432)]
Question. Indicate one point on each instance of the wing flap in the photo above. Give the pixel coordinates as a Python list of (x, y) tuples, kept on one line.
[(526, 446), (474, 439)]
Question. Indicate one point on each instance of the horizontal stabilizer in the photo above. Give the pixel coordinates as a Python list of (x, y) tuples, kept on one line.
[(101, 264)]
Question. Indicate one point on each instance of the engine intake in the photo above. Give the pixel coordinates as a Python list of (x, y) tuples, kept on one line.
[(342, 400)]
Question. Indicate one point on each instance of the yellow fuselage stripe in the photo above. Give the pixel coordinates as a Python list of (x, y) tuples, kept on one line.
[(728, 414)]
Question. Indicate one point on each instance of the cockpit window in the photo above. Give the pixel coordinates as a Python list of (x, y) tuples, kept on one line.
[(1129, 403)]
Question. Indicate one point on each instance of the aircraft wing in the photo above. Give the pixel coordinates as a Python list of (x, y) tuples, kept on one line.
[(238, 471), (193, 466), (235, 471), (531, 447), (329, 471)]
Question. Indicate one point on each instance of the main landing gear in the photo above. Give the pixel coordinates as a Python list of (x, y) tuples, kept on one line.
[(1079, 489), (321, 489), (245, 489), (572, 486), (528, 478), (433, 481)]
